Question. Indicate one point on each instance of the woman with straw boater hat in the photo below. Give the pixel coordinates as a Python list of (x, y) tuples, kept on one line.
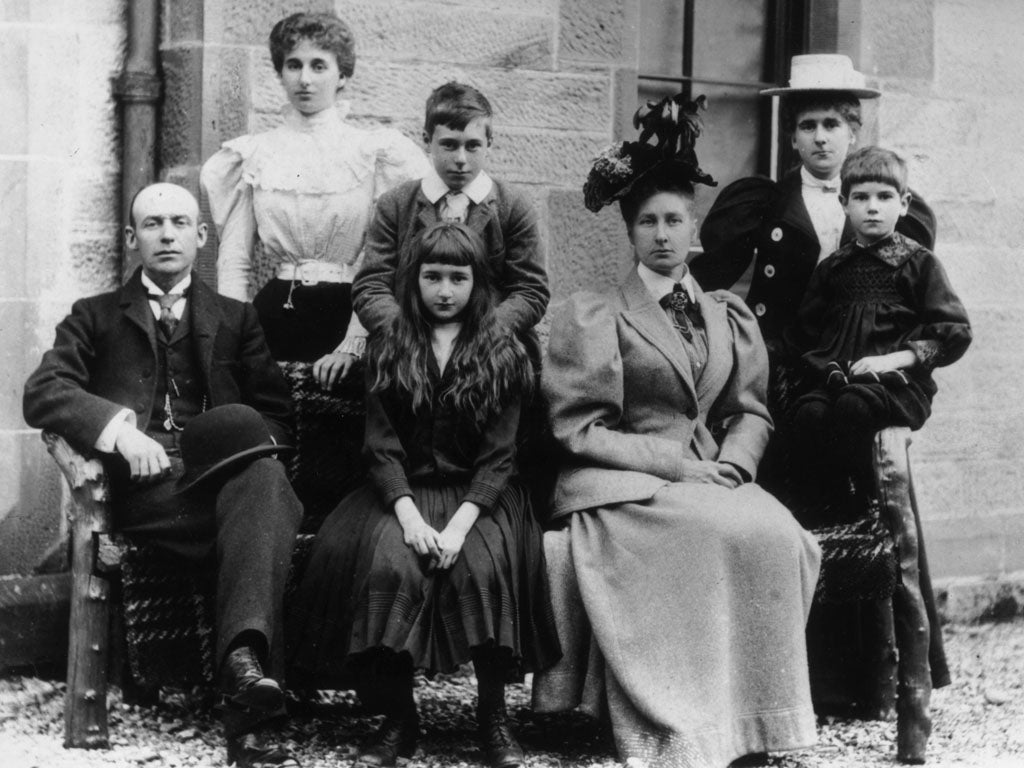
[(787, 226)]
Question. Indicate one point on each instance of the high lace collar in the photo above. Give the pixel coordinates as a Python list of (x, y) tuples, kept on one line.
[(324, 119)]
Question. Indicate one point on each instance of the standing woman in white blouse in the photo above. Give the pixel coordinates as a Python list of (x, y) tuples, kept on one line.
[(305, 191)]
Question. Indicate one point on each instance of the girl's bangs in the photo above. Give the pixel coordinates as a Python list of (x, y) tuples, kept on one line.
[(449, 245)]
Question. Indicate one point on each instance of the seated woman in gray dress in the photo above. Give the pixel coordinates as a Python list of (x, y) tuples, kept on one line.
[(694, 582)]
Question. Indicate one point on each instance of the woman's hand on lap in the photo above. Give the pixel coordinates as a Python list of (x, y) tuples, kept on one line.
[(418, 536), (332, 368), (449, 543), (715, 472)]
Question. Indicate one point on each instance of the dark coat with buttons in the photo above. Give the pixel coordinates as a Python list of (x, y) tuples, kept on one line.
[(104, 359), (766, 221)]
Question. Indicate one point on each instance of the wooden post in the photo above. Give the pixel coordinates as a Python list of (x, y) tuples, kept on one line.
[(85, 705)]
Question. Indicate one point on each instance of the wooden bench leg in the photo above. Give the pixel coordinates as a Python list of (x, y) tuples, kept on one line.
[(914, 688), (85, 706)]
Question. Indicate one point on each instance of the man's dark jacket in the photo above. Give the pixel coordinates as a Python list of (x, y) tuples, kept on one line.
[(104, 359)]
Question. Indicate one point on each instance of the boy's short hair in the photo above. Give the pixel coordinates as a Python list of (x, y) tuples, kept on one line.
[(454, 105), (324, 30), (873, 164), (846, 104)]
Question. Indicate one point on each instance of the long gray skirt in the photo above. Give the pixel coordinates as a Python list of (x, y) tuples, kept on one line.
[(691, 631)]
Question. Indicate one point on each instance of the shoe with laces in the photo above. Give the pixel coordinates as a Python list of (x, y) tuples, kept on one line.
[(499, 746)]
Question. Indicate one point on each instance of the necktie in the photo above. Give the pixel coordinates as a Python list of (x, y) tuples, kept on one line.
[(168, 322), (681, 308), (455, 207)]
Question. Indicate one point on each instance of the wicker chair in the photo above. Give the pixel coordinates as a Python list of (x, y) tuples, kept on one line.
[(130, 597)]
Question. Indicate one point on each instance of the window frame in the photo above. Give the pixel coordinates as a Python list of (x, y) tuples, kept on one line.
[(788, 33)]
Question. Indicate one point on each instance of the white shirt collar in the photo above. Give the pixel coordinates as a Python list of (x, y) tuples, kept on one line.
[(810, 180), (658, 285), (477, 190), (156, 290)]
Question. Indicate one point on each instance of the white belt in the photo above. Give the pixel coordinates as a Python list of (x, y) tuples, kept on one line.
[(313, 272)]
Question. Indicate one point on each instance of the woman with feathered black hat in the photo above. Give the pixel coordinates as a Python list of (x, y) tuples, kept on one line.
[(695, 583)]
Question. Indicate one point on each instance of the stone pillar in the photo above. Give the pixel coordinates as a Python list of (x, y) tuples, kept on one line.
[(59, 158)]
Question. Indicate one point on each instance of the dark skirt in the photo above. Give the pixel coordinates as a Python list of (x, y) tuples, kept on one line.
[(303, 322), (364, 589)]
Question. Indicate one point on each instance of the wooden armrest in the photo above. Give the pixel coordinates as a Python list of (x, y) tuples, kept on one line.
[(85, 475), (85, 710)]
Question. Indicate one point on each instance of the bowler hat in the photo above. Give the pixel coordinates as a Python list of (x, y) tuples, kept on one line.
[(824, 72), (223, 437)]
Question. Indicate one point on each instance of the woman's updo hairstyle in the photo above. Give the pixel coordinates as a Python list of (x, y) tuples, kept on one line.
[(667, 177), (324, 30)]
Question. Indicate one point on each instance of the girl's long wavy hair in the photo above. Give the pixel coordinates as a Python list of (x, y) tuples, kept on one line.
[(489, 366)]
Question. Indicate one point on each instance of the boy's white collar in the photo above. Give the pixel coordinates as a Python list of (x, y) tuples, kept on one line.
[(477, 190)]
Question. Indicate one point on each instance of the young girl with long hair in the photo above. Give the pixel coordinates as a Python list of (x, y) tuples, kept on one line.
[(437, 561)]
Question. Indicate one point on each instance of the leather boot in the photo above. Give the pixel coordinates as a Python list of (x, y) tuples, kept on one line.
[(499, 746), (259, 750), (913, 724), (396, 737), (244, 685)]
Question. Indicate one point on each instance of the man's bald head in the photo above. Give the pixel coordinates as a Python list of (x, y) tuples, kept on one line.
[(160, 189), (165, 231)]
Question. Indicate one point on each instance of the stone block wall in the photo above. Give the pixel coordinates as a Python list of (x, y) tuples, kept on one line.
[(952, 74), (59, 195), (561, 76)]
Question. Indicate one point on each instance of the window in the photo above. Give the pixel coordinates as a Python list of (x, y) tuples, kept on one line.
[(727, 50)]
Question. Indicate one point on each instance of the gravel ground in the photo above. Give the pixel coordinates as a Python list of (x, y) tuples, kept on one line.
[(979, 723)]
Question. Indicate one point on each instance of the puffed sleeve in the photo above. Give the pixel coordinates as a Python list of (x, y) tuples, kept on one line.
[(399, 159), (582, 380), (943, 332), (740, 413), (230, 197), (919, 224), (730, 229)]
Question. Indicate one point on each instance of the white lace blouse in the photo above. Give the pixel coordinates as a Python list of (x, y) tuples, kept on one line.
[(304, 190)]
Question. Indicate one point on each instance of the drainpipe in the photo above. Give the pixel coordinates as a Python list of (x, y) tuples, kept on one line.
[(138, 88)]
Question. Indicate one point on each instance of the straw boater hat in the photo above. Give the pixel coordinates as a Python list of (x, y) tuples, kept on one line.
[(824, 72)]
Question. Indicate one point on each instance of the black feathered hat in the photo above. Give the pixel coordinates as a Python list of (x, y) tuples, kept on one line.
[(674, 124)]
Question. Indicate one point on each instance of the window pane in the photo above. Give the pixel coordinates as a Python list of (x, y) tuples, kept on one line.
[(729, 43)]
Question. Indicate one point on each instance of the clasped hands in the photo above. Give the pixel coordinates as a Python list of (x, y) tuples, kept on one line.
[(441, 547)]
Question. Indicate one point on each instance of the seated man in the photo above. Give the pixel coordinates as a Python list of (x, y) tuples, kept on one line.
[(127, 373)]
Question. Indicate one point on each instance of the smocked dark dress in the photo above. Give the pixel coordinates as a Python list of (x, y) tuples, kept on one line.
[(890, 296), (364, 588)]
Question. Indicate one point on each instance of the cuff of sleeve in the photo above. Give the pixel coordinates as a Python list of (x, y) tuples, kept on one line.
[(744, 461), (392, 488), (484, 492), (107, 441), (353, 345), (927, 352)]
